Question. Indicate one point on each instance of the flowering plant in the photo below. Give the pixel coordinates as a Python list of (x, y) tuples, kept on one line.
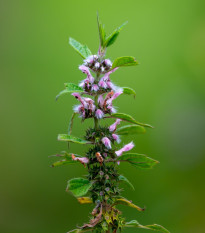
[(102, 184)]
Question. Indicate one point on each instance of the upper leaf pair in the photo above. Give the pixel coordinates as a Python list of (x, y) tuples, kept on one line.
[(106, 41)]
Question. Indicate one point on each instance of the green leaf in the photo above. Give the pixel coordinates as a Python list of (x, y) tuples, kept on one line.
[(65, 159), (70, 88), (138, 160), (123, 178), (101, 30), (83, 50), (123, 201), (63, 162), (69, 138), (154, 227), (129, 91), (130, 129), (127, 118), (78, 186), (124, 61), (113, 36)]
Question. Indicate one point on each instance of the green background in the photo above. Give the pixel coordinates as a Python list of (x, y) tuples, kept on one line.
[(167, 37)]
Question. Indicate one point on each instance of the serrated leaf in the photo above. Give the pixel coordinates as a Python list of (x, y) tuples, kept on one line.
[(138, 160), (69, 138), (70, 88), (130, 129), (124, 61), (83, 50), (129, 91), (84, 200), (128, 118), (154, 227), (126, 202), (78, 186), (123, 178), (113, 36), (101, 30)]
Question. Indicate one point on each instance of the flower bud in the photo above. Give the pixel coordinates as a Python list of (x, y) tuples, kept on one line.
[(106, 142)]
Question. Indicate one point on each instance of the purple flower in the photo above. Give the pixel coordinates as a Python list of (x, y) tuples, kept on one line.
[(86, 103), (101, 193), (125, 148), (102, 69), (101, 173), (89, 104), (97, 65), (115, 95), (114, 125), (101, 100), (116, 138), (102, 83), (94, 87), (78, 97), (107, 189), (99, 114), (106, 142), (90, 59), (86, 70), (108, 63)]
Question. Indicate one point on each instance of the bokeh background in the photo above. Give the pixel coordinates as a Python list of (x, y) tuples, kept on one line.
[(167, 37)]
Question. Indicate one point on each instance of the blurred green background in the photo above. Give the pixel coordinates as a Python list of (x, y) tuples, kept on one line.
[(168, 38)]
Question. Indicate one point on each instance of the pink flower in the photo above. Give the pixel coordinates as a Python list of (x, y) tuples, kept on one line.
[(102, 83), (114, 125), (115, 95), (108, 63), (94, 87), (125, 148), (97, 65), (78, 97), (83, 160), (90, 59), (101, 100), (89, 104), (116, 138), (106, 142), (99, 114), (112, 109), (86, 70), (86, 103)]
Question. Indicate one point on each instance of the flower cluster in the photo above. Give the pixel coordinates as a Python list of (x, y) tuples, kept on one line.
[(95, 63), (102, 85)]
